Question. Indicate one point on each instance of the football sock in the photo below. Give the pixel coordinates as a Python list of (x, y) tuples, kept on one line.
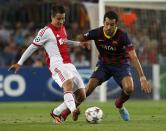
[(69, 101), (121, 99), (66, 112), (59, 109)]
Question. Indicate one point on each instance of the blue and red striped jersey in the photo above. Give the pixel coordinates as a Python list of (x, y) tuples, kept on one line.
[(111, 50)]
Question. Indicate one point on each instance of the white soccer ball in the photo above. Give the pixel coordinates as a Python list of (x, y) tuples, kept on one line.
[(93, 115)]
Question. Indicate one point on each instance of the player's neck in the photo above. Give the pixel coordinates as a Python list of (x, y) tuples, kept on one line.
[(109, 36), (54, 25)]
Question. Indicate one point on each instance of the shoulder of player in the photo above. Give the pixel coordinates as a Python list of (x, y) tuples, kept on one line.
[(96, 30), (43, 31), (121, 32)]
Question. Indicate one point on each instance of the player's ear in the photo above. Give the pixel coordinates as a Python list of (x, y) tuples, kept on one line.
[(52, 16)]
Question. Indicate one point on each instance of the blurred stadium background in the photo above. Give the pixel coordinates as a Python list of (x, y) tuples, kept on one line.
[(27, 97), (21, 19)]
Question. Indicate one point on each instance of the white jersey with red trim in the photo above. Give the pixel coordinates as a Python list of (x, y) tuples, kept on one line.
[(53, 40)]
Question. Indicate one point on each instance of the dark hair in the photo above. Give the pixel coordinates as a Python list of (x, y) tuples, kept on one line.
[(111, 15), (57, 9)]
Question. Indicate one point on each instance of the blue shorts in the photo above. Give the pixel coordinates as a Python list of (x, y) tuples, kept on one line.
[(104, 71)]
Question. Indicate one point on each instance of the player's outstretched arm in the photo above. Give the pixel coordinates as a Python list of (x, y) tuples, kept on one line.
[(14, 67), (145, 86), (83, 42), (23, 58)]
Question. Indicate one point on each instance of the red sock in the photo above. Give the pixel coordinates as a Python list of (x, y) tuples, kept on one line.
[(121, 99), (65, 113)]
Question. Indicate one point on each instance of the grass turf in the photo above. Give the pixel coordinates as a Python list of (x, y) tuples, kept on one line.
[(34, 116)]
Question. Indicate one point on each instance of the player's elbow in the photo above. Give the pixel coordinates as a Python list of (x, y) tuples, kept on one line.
[(133, 59)]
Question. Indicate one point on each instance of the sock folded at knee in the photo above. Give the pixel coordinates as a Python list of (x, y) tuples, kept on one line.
[(69, 101)]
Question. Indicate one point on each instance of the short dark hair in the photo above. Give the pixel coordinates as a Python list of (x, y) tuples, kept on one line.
[(57, 9), (111, 15)]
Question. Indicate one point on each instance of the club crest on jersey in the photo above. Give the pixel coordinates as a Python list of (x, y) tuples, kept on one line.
[(37, 39), (61, 41), (58, 35), (114, 42), (86, 34)]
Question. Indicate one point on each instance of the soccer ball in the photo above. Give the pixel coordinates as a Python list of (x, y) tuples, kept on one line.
[(93, 115)]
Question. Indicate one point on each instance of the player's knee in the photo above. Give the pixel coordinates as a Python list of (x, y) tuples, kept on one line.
[(128, 85), (68, 85), (129, 89)]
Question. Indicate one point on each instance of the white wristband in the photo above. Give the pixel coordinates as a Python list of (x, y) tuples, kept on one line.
[(142, 78)]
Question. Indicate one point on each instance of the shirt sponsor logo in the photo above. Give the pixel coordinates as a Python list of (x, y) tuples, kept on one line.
[(108, 47), (100, 40), (114, 42)]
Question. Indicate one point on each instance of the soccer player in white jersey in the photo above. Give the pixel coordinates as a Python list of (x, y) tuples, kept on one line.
[(52, 37)]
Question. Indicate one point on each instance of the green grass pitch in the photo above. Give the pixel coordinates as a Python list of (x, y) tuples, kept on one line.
[(34, 116)]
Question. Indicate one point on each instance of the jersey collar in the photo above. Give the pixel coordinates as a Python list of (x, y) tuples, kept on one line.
[(109, 37)]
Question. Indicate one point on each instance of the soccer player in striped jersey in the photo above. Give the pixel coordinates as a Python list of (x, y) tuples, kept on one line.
[(52, 37), (116, 54)]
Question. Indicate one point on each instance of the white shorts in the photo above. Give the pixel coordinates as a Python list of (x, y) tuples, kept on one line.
[(63, 72)]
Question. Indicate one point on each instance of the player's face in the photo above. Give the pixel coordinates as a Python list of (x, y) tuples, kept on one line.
[(109, 26), (58, 20)]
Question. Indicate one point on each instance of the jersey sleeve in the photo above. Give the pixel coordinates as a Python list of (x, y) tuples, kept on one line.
[(32, 48), (91, 35), (128, 45), (41, 38)]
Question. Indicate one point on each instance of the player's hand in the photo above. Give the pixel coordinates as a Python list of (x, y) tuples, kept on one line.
[(85, 45), (14, 67), (145, 86)]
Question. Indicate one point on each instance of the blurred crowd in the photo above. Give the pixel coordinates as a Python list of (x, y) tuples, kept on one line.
[(147, 31), (19, 25)]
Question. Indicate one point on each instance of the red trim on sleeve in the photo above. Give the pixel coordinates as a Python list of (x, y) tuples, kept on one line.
[(36, 44), (129, 48), (43, 31)]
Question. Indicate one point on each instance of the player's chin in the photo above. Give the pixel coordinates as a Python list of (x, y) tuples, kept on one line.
[(59, 25), (108, 32)]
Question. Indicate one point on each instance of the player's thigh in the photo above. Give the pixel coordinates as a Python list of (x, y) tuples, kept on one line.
[(128, 84), (68, 85), (61, 74)]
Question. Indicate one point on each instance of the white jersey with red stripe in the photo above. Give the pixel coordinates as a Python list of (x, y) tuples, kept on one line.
[(58, 58), (53, 40)]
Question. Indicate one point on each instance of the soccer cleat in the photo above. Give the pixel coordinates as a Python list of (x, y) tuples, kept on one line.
[(57, 119), (124, 114), (75, 114)]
